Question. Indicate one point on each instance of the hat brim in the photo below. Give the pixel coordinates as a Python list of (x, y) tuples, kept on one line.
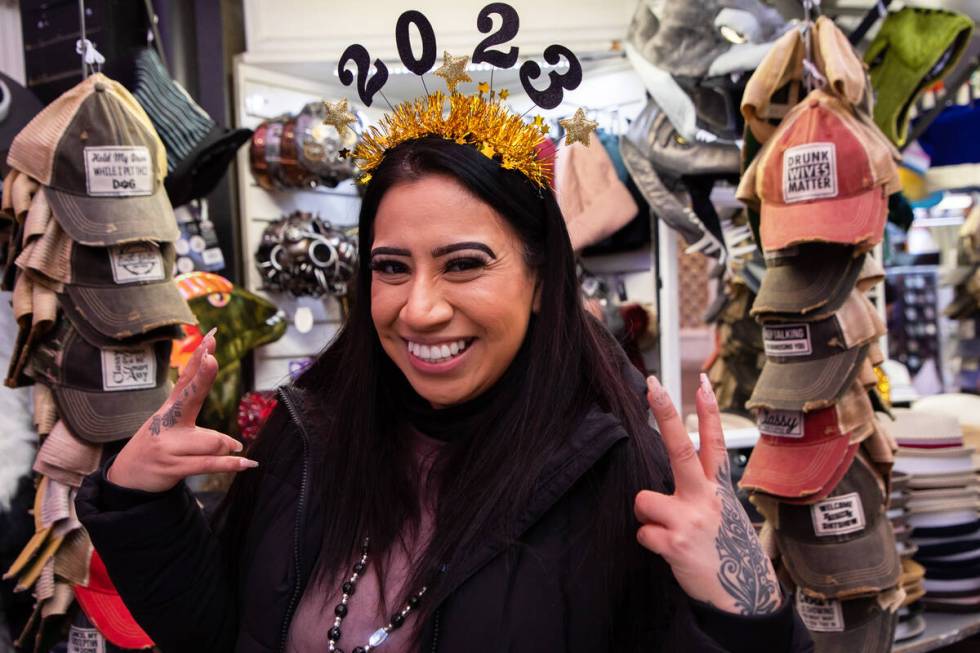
[(855, 220), (120, 312), (861, 566), (785, 468), (100, 417), (200, 171), (112, 618), (873, 635), (807, 385), (814, 290), (106, 221)]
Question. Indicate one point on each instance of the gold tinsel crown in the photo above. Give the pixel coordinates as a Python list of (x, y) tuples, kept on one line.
[(470, 120)]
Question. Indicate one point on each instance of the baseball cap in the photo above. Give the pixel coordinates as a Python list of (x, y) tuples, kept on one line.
[(809, 365), (110, 404), (810, 279), (101, 164), (102, 604), (861, 624), (914, 48), (841, 546), (65, 457), (776, 86), (823, 176), (798, 454), (123, 291)]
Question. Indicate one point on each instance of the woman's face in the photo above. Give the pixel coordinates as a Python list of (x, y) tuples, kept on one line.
[(451, 294)]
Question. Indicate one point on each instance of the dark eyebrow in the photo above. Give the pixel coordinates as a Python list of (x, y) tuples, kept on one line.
[(391, 251), (455, 247)]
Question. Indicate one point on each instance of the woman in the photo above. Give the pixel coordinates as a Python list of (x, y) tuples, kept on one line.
[(467, 467)]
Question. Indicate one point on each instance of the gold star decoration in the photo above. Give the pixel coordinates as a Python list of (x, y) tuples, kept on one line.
[(578, 128), (504, 94), (453, 70), (540, 124), (487, 150), (338, 115), (483, 87)]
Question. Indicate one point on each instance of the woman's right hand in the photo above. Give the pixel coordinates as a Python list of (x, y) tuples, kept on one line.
[(169, 447)]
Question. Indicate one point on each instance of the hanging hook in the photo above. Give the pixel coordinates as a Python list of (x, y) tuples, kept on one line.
[(92, 59)]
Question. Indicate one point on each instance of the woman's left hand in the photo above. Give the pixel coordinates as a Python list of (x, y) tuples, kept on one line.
[(701, 530)]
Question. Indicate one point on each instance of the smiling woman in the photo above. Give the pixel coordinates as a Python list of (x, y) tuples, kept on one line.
[(467, 467)]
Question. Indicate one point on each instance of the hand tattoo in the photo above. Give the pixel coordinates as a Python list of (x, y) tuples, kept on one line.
[(744, 572), (168, 419)]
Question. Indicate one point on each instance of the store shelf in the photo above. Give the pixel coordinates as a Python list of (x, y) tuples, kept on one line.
[(942, 629)]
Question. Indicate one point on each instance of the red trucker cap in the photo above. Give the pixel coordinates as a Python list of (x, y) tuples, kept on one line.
[(105, 608)]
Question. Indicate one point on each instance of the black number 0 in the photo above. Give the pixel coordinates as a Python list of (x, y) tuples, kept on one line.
[(508, 30), (425, 62), (552, 96), (367, 88)]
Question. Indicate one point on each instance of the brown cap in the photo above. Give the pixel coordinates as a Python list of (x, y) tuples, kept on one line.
[(811, 280), (114, 402), (124, 291), (67, 458), (776, 86), (101, 163), (862, 624), (842, 546)]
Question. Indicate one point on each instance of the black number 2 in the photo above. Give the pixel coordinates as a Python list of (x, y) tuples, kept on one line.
[(367, 88), (552, 96), (425, 62), (508, 30)]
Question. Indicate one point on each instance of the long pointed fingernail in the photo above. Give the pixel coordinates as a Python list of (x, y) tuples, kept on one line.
[(210, 333), (248, 463), (706, 388), (653, 384)]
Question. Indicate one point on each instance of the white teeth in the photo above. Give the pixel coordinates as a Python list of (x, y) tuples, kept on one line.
[(437, 353)]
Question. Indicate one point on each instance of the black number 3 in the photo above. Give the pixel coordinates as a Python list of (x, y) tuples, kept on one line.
[(367, 88), (508, 30), (552, 96)]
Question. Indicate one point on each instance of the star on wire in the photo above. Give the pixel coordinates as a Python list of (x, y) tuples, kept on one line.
[(578, 128), (453, 70), (339, 115)]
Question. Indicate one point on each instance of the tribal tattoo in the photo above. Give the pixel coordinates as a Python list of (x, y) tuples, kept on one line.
[(168, 419), (744, 572)]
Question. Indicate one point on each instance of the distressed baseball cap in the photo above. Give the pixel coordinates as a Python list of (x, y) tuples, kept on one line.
[(106, 394), (843, 545), (777, 85), (799, 455), (102, 604), (123, 291), (809, 365), (811, 280), (824, 176), (861, 624), (102, 165)]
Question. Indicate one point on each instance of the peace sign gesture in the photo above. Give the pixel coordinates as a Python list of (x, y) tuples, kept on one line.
[(169, 446), (701, 530)]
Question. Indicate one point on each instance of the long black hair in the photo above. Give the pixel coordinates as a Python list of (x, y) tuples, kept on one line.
[(363, 474)]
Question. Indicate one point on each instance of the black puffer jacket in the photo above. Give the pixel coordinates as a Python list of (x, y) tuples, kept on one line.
[(539, 595)]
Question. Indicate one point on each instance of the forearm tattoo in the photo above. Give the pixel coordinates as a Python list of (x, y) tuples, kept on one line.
[(744, 572), (168, 419)]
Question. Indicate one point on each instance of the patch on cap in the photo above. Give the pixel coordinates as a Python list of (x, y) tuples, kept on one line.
[(136, 262), (85, 640), (809, 172), (787, 340), (838, 515), (118, 171), (820, 615), (780, 423), (128, 369)]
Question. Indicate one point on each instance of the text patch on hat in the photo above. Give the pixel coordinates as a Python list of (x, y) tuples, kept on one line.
[(118, 171), (85, 640), (136, 262), (787, 340), (809, 172), (838, 515), (128, 369), (820, 615), (780, 423)]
